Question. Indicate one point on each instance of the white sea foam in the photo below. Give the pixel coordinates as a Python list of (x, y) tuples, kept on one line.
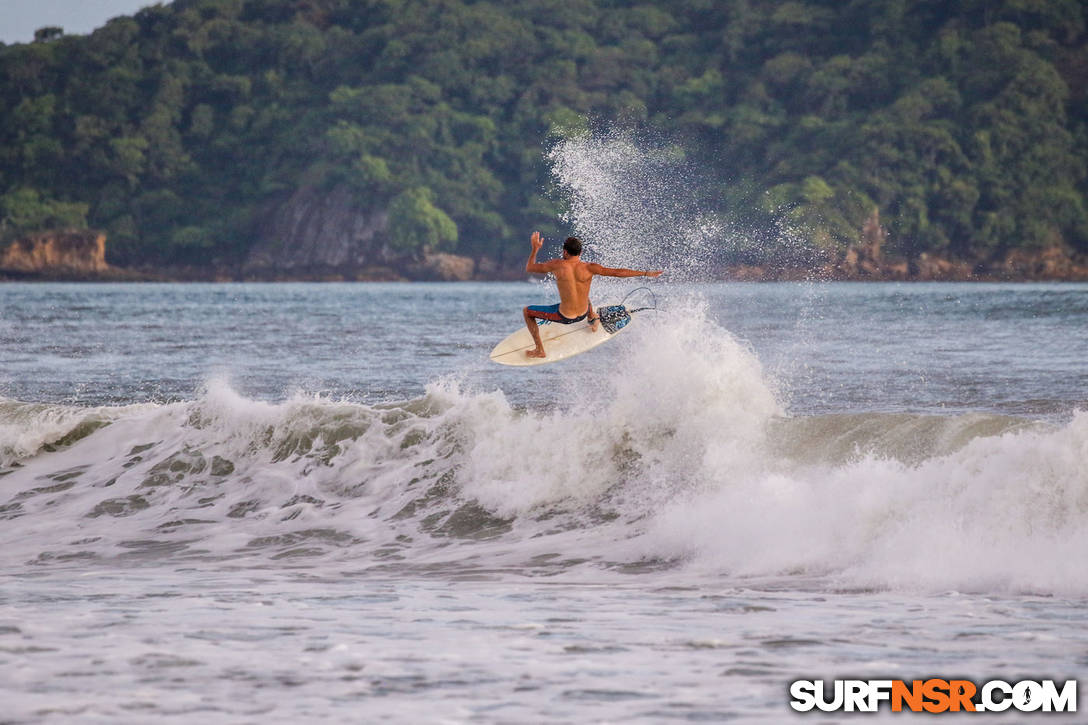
[(1003, 513), (650, 417), (26, 429)]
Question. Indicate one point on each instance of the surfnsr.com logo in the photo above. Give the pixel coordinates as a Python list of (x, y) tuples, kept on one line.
[(933, 695)]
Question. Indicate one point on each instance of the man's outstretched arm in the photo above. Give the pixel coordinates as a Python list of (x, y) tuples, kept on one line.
[(621, 272), (533, 266)]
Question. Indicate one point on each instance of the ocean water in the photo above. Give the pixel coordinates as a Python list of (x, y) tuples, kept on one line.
[(322, 503)]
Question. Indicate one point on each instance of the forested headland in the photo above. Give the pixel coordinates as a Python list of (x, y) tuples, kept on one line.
[(368, 138)]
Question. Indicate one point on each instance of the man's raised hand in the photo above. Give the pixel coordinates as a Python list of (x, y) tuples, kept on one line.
[(536, 241)]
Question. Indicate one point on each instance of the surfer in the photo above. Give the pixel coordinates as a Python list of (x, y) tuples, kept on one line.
[(573, 278)]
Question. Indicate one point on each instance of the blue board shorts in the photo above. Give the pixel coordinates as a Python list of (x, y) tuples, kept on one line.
[(551, 313)]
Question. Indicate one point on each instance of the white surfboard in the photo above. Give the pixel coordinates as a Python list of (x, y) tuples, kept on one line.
[(562, 341)]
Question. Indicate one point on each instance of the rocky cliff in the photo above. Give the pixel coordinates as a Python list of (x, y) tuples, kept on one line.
[(316, 231), (319, 234), (56, 254)]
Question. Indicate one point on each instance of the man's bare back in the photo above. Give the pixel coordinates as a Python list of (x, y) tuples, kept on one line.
[(573, 278)]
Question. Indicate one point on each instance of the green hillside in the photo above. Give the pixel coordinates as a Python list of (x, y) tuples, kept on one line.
[(178, 130)]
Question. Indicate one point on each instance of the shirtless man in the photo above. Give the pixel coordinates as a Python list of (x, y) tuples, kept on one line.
[(573, 277)]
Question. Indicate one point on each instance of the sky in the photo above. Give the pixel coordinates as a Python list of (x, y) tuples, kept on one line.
[(20, 18)]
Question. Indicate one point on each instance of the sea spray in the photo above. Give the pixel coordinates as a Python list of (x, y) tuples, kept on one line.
[(636, 203), (640, 200)]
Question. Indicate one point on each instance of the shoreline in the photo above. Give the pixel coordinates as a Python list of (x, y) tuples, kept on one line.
[(80, 256), (928, 270)]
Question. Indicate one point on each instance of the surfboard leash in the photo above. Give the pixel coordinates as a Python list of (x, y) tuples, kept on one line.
[(641, 309)]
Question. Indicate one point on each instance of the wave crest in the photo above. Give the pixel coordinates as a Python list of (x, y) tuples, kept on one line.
[(679, 453)]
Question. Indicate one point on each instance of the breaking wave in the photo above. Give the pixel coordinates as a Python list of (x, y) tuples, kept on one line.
[(685, 460)]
